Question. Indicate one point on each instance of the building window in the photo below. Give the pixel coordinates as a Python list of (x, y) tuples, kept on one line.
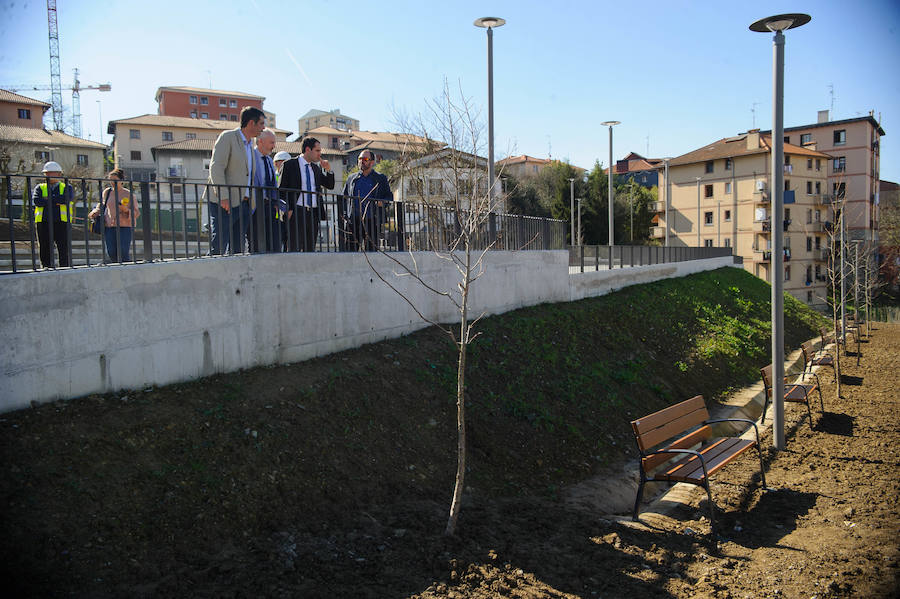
[(190, 136), (787, 273), (435, 187), (709, 166), (728, 242), (204, 115), (223, 102), (134, 133), (728, 187), (818, 246), (193, 114), (838, 189), (840, 137), (728, 216), (233, 117), (223, 116), (25, 113), (193, 99), (805, 138), (840, 163), (809, 244), (818, 187), (707, 218), (809, 217), (787, 139), (818, 164), (232, 103), (204, 101), (787, 159), (817, 215), (707, 243), (177, 190), (41, 155), (135, 155), (707, 191), (809, 187), (808, 163), (787, 184), (81, 159), (728, 164), (167, 136)]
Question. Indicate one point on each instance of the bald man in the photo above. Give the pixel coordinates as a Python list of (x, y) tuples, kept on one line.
[(267, 210)]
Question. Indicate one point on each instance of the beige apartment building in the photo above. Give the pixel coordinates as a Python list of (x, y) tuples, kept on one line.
[(134, 139), (719, 197), (854, 167)]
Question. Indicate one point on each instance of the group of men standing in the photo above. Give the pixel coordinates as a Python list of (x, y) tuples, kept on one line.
[(291, 192)]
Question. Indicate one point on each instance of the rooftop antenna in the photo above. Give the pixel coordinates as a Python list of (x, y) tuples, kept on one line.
[(831, 91), (209, 74), (648, 144), (549, 148), (753, 112)]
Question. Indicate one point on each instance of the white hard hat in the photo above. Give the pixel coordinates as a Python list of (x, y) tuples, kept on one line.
[(52, 167), (282, 155)]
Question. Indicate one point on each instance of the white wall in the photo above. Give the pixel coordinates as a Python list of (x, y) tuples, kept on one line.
[(73, 332)]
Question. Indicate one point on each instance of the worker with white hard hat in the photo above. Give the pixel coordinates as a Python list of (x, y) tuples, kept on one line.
[(54, 208)]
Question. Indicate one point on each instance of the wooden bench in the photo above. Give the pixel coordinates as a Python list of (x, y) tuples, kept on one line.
[(812, 358), (795, 392), (683, 430)]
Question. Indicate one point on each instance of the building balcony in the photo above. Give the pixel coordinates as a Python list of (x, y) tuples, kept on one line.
[(657, 232), (657, 207), (766, 255), (761, 196)]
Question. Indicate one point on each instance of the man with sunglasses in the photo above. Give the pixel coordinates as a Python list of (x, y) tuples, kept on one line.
[(366, 194)]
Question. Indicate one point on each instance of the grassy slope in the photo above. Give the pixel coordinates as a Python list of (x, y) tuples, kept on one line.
[(552, 389)]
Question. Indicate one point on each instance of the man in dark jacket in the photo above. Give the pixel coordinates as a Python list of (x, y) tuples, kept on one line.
[(366, 195), (303, 183)]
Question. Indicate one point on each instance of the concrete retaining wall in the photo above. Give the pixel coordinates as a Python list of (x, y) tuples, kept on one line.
[(74, 332)]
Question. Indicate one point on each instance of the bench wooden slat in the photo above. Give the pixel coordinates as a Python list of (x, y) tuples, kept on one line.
[(642, 425), (716, 456), (686, 442), (799, 393)]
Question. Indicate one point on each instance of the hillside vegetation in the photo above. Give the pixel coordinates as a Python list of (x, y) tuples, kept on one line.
[(198, 465)]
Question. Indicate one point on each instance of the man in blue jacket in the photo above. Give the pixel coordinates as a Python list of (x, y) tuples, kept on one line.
[(53, 211), (366, 194)]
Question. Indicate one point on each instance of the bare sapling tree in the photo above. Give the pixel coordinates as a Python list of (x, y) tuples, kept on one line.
[(836, 289), (466, 199)]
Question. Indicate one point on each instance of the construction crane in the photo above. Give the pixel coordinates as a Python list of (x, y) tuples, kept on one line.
[(55, 86), (76, 88)]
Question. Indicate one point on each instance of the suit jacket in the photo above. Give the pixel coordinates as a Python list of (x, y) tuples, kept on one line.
[(229, 167), (291, 183), (381, 192)]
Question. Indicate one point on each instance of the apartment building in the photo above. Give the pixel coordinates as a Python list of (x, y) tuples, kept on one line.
[(135, 138), (202, 103), (719, 197), (854, 167), (25, 145), (320, 118), (635, 167), (521, 166)]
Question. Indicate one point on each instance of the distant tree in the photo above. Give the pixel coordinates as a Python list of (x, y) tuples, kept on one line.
[(522, 197), (635, 201)]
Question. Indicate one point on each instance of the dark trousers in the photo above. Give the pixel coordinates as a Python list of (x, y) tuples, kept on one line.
[(227, 229), (304, 229), (60, 238), (364, 233), (270, 228)]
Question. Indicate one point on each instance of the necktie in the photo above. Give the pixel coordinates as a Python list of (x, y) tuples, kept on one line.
[(268, 171), (310, 202)]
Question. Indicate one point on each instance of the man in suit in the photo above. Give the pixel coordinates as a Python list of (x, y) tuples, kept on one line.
[(231, 173), (366, 193), (302, 184), (266, 220)]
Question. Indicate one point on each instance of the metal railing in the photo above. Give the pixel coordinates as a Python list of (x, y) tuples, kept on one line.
[(585, 258), (176, 220)]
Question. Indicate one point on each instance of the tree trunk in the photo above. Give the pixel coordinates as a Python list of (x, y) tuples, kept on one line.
[(456, 503)]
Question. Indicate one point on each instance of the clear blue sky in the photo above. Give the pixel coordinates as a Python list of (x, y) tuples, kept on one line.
[(682, 74)]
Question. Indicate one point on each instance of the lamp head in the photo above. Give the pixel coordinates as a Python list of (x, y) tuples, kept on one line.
[(780, 22), (489, 22), (611, 123)]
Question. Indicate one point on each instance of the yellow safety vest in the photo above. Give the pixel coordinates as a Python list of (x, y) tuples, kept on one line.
[(63, 209)]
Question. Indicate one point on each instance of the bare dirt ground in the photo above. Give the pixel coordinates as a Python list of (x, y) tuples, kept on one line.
[(129, 496)]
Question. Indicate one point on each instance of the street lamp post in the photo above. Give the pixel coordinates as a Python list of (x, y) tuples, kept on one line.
[(777, 24), (668, 187), (490, 23), (579, 220), (100, 116), (611, 124), (572, 208), (631, 211)]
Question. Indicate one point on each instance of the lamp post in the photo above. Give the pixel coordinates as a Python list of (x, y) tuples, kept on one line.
[(631, 211), (778, 24), (572, 208), (100, 116), (668, 187), (490, 23), (611, 124)]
